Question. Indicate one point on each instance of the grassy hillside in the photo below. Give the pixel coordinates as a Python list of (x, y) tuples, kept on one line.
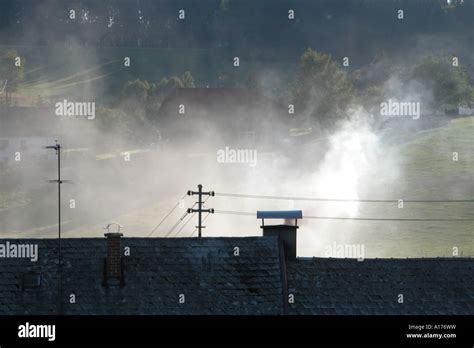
[(11, 200), (429, 173)]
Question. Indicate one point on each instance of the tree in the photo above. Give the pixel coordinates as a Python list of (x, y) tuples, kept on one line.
[(450, 85), (138, 89), (143, 96), (321, 90), (168, 84), (187, 80)]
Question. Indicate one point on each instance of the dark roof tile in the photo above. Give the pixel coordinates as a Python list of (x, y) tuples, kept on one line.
[(158, 270), (346, 286), (214, 281)]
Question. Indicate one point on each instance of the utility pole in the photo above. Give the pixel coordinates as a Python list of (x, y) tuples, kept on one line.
[(199, 210), (57, 147)]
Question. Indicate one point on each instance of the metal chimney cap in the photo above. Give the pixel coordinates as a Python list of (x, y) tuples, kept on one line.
[(279, 214)]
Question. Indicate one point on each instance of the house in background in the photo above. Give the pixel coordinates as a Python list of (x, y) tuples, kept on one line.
[(465, 111), (223, 116)]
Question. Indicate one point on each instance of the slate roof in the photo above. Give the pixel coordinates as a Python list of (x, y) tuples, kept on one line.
[(214, 281), (158, 270), (345, 286)]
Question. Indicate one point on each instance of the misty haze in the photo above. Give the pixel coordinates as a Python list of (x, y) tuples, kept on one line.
[(349, 126)]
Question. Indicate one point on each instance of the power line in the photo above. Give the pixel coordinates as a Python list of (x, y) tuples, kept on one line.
[(228, 212), (176, 224), (199, 210), (241, 213), (231, 212), (383, 219), (343, 200), (191, 217), (167, 215), (205, 217), (183, 217), (182, 227)]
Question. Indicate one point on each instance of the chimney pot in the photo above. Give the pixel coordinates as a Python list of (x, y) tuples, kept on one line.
[(113, 262)]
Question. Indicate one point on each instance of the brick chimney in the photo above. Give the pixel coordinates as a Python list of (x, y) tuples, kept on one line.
[(113, 261), (286, 235), (285, 232)]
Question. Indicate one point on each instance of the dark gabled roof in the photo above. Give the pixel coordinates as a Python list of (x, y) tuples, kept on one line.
[(347, 286), (224, 105), (214, 281), (158, 270), (219, 99)]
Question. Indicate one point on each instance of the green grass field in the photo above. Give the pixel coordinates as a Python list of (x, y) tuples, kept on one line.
[(430, 174), (11, 200)]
